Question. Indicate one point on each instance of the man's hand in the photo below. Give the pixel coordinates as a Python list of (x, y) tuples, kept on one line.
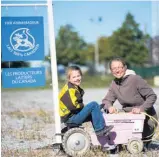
[(136, 110), (112, 110)]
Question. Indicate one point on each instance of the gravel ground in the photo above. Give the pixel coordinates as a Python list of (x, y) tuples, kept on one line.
[(27, 118)]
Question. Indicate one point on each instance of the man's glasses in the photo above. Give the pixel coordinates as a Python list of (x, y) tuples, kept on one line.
[(116, 68)]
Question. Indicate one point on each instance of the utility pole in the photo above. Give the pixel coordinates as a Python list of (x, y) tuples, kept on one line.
[(96, 49), (96, 55)]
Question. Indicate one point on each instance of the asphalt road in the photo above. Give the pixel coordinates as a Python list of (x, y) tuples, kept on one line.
[(32, 99)]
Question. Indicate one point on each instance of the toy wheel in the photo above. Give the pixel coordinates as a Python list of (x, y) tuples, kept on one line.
[(135, 146), (76, 141)]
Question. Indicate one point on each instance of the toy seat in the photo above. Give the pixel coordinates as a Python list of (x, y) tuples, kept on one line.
[(71, 125), (67, 126)]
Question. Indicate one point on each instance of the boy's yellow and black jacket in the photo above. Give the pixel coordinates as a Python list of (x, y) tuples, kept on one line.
[(71, 101)]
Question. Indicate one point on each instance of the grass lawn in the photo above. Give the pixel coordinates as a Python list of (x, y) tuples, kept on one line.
[(88, 81)]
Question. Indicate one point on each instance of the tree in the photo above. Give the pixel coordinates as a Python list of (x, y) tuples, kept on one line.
[(105, 53), (70, 48), (129, 42)]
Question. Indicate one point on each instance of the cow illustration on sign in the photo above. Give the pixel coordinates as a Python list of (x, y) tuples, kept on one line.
[(22, 40)]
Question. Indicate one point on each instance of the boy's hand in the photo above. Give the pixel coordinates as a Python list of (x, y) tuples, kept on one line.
[(112, 110)]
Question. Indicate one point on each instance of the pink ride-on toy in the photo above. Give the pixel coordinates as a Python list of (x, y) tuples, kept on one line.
[(127, 130)]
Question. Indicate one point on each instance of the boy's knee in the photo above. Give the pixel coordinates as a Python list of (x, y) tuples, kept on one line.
[(94, 103)]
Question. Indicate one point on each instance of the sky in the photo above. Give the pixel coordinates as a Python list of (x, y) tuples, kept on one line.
[(83, 16), (113, 14)]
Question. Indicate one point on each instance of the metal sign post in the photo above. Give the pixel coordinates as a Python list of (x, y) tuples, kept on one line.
[(54, 72), (53, 61)]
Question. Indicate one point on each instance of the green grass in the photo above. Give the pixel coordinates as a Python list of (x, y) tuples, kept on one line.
[(150, 81), (98, 81), (95, 81)]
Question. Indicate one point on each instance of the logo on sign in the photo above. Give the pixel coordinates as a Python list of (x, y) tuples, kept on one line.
[(22, 42)]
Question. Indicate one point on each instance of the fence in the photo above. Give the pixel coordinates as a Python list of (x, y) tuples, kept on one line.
[(147, 72)]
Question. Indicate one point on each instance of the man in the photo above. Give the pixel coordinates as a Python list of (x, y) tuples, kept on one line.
[(133, 93)]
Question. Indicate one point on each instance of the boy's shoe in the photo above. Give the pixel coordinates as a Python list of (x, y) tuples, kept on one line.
[(105, 131), (101, 106), (108, 147)]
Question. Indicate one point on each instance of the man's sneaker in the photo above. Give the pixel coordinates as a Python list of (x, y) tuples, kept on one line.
[(105, 131)]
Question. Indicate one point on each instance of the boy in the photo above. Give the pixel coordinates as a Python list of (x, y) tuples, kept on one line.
[(72, 109)]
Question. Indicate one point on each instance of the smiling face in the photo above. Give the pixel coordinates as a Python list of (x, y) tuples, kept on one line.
[(118, 69), (75, 77)]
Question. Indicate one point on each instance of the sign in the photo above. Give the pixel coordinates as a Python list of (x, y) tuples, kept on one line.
[(22, 38), (23, 77)]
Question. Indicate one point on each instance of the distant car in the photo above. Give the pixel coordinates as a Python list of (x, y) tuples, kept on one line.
[(61, 69)]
